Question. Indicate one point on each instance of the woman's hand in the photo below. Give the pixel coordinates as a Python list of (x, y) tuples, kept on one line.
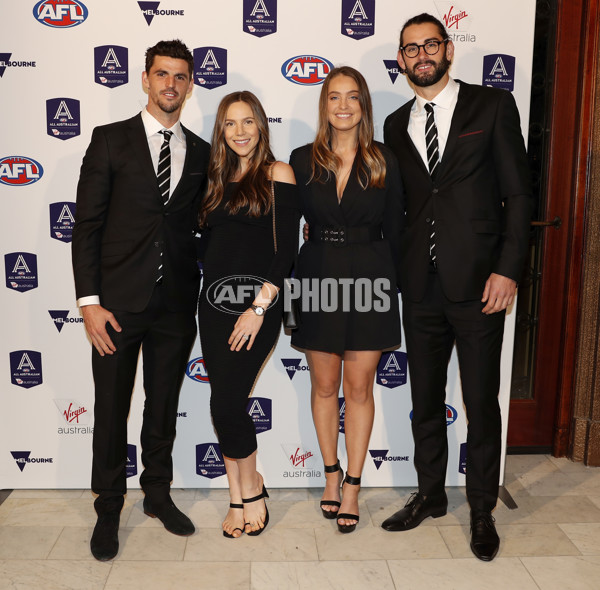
[(245, 330)]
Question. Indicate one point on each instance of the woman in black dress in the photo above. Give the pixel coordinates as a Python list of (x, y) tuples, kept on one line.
[(237, 334), (352, 199)]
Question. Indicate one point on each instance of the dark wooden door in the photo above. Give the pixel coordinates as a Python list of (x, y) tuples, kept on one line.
[(565, 54)]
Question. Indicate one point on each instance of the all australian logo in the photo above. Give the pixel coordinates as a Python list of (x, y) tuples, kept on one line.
[(380, 456), (209, 460), (26, 368), (499, 71), (391, 370), (76, 417), (302, 461), (462, 461), (260, 17), (293, 366), (6, 62), (210, 67), (21, 271), (62, 220), (62, 317), (131, 467), (151, 9), (19, 171), (358, 18), (306, 70), (60, 14), (261, 412), (24, 458), (111, 65), (63, 118), (196, 370), (342, 407)]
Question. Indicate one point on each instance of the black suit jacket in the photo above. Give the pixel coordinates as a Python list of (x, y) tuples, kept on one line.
[(122, 225), (481, 199)]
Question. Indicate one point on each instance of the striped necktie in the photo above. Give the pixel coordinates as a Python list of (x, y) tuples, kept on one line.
[(433, 160), (163, 173)]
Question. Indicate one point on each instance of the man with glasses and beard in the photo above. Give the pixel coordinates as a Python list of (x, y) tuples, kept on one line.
[(468, 207)]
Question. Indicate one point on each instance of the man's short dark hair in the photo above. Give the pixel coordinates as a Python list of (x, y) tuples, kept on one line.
[(175, 49), (422, 19)]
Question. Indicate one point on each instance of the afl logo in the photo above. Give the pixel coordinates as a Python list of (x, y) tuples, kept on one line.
[(19, 171), (67, 13), (308, 70), (196, 370), (451, 415)]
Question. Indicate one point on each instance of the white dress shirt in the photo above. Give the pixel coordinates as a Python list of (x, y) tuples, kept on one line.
[(177, 145), (155, 140), (443, 110)]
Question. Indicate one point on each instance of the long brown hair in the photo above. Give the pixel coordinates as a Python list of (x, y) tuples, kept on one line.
[(253, 189), (371, 167)]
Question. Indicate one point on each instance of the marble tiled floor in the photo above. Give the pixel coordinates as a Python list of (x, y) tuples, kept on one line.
[(552, 541)]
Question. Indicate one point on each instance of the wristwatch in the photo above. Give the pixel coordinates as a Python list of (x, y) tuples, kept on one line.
[(257, 309)]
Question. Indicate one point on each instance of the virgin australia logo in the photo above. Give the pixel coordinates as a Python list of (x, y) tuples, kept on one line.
[(299, 457)]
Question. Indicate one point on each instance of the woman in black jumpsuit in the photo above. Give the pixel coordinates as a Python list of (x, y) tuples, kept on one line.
[(352, 199), (237, 335)]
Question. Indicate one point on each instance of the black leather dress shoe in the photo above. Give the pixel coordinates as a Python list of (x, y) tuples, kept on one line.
[(175, 521), (417, 509), (484, 538), (105, 538)]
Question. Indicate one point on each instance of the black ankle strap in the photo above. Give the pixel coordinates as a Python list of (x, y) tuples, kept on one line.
[(232, 505), (332, 468), (353, 481)]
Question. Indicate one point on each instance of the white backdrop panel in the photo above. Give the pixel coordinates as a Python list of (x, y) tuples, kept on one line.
[(45, 429)]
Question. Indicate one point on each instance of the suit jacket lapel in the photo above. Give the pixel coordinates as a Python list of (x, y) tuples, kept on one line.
[(458, 121), (406, 139), (141, 151)]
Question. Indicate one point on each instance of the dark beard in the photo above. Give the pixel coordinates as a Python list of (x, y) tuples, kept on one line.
[(169, 108), (434, 77)]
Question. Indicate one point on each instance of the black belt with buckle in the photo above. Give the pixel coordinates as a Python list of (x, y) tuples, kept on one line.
[(341, 236)]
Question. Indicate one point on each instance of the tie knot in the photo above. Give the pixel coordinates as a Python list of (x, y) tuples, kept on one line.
[(167, 134), (429, 107)]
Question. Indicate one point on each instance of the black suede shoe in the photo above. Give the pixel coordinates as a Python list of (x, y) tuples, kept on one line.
[(175, 521), (484, 538), (105, 538), (417, 509)]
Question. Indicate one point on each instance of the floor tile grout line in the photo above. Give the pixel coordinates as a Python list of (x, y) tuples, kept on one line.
[(529, 573)]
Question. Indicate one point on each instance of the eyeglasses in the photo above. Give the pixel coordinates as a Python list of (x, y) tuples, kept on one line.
[(430, 48)]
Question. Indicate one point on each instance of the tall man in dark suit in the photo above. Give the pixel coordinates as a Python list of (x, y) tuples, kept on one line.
[(137, 281), (468, 206)]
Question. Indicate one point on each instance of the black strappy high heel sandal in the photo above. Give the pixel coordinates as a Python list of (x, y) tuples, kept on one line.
[(348, 528), (330, 514), (229, 535), (263, 494)]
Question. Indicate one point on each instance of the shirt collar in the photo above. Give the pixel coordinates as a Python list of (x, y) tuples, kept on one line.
[(443, 100), (152, 126)]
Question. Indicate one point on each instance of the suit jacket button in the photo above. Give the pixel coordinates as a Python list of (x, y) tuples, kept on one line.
[(428, 220), (156, 244), (435, 191)]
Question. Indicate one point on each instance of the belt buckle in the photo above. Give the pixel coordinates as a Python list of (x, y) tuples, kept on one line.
[(336, 236)]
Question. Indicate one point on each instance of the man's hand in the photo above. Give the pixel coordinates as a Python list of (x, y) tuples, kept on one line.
[(95, 318), (499, 293)]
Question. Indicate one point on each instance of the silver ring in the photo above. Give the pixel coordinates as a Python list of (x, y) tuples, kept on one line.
[(246, 336)]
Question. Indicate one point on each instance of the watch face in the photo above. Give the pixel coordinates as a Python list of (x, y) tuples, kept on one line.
[(258, 310)]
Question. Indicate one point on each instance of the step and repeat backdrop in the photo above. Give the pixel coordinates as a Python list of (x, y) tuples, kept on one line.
[(69, 65)]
